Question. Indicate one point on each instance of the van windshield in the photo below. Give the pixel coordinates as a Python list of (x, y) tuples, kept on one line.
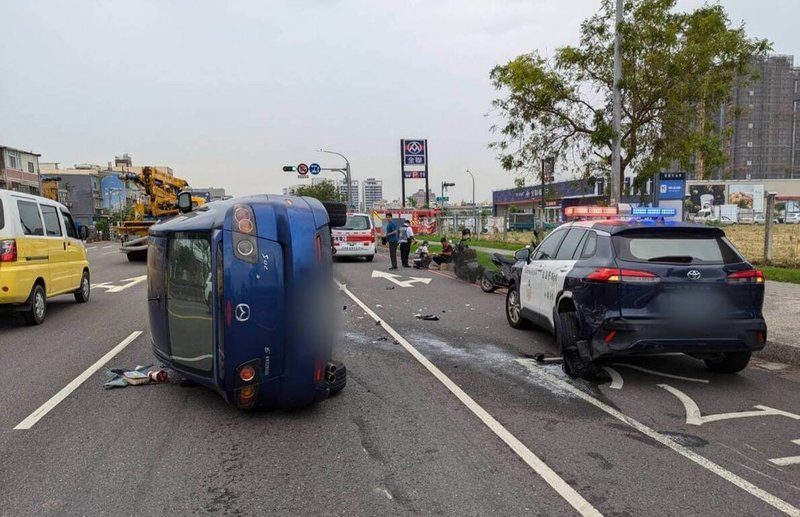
[(189, 300), (356, 222)]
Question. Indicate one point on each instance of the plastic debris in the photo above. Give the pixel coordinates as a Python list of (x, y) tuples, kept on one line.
[(121, 377), (389, 287), (428, 317)]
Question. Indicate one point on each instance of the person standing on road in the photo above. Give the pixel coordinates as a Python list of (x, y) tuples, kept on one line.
[(405, 236), (391, 238)]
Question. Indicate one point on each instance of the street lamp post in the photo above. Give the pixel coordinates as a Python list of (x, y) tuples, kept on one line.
[(348, 178), (616, 160), (474, 206)]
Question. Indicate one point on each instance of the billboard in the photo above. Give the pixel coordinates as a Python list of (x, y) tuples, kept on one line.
[(704, 196), (747, 196)]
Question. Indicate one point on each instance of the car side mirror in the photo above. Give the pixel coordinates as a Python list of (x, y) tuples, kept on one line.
[(523, 254), (185, 202), (83, 232)]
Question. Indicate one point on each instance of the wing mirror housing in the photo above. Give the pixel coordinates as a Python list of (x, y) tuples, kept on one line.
[(185, 202)]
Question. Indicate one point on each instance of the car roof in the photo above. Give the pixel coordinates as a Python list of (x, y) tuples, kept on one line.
[(618, 225), (32, 197)]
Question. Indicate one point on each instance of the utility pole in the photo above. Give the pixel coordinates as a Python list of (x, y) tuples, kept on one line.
[(616, 161), (770, 215), (347, 176), (474, 206)]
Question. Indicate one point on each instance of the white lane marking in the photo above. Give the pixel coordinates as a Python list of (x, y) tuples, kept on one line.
[(616, 378), (110, 252), (687, 453), (693, 415), (92, 248), (402, 283), (111, 288), (788, 460), (72, 386), (106, 247), (661, 374), (569, 494)]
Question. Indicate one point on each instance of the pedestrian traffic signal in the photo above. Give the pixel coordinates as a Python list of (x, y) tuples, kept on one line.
[(289, 168)]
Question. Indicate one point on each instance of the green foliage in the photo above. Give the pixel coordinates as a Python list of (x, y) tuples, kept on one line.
[(519, 182), (411, 201), (678, 68), (324, 191), (780, 207)]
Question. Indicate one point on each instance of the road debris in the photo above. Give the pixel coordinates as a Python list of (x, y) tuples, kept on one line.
[(121, 377), (427, 317)]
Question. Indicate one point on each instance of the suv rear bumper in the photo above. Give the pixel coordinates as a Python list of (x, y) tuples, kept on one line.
[(620, 337)]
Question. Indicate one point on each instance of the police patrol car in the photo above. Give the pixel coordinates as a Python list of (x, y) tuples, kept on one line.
[(641, 285)]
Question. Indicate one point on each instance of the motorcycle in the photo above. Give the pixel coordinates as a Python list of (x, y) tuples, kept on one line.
[(465, 260), (501, 278)]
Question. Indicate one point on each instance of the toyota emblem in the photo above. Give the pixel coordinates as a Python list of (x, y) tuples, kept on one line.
[(242, 312), (694, 274)]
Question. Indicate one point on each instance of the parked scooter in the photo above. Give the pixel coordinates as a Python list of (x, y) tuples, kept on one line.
[(501, 278)]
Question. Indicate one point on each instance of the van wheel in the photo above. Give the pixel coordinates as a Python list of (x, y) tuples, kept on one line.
[(369, 258), (38, 310), (83, 292), (514, 310), (730, 362)]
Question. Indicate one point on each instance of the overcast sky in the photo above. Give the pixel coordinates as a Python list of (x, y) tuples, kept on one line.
[(227, 92)]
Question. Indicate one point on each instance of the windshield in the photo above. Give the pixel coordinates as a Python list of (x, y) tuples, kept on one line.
[(682, 248), (189, 300), (356, 222)]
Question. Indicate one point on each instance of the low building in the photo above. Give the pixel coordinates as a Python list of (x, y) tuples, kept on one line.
[(19, 170)]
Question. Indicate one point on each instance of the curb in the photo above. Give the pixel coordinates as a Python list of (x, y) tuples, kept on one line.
[(780, 353)]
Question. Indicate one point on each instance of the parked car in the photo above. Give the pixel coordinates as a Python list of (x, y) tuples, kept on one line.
[(761, 219), (356, 238), (792, 218), (746, 219), (42, 255)]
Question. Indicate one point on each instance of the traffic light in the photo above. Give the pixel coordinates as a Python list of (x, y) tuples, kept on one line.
[(446, 184), (289, 168)]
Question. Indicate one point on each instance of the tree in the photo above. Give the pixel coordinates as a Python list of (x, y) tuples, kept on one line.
[(324, 191), (412, 201), (678, 69), (519, 182)]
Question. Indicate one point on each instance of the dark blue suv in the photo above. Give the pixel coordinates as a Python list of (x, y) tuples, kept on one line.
[(240, 299), (618, 287)]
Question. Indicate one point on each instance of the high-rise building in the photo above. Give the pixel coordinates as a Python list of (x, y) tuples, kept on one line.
[(342, 186), (373, 193), (764, 119)]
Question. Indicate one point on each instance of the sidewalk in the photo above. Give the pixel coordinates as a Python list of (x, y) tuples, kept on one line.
[(781, 310)]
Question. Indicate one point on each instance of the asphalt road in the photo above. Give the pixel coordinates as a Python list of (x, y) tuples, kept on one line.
[(439, 417)]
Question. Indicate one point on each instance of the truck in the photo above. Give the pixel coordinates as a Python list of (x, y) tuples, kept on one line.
[(159, 202), (720, 214)]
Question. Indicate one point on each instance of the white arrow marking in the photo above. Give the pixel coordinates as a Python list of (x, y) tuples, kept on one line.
[(788, 460), (616, 378), (668, 375), (402, 283), (110, 288), (693, 416)]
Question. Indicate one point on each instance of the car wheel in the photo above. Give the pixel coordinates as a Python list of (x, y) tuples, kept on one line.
[(487, 285), (514, 310), (730, 362), (83, 292), (38, 310), (337, 213), (369, 258), (340, 380), (567, 338)]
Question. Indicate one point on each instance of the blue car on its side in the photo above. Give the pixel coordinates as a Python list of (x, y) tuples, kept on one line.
[(240, 299)]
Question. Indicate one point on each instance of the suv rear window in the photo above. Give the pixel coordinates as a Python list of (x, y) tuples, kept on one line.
[(675, 248), (356, 222)]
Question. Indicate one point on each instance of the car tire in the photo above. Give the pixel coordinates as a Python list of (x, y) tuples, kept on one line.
[(567, 338), (341, 379), (85, 289), (38, 310), (514, 310), (487, 284), (369, 258), (337, 213), (730, 362)]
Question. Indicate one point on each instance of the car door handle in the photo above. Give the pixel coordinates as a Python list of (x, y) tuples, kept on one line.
[(65, 246), (564, 269), (539, 268)]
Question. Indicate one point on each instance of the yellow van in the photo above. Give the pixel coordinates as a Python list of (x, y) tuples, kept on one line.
[(41, 255)]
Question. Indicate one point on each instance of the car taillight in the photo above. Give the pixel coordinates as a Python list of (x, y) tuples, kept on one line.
[(244, 233), (754, 276), (8, 250), (613, 275)]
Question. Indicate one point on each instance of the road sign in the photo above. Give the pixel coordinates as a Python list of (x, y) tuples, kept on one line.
[(440, 199), (414, 152), (302, 169), (413, 175), (314, 169)]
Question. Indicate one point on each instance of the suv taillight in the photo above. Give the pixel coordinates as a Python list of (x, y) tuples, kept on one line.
[(754, 276), (244, 234), (613, 275), (8, 250)]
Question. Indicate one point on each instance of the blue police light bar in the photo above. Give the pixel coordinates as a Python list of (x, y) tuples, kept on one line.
[(645, 211)]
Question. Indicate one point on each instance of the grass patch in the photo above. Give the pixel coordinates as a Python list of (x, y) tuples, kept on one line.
[(781, 274)]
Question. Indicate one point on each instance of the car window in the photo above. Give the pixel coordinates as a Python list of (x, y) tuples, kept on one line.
[(675, 248), (30, 218), (589, 245), (72, 231), (570, 243), (52, 224), (356, 222), (547, 249)]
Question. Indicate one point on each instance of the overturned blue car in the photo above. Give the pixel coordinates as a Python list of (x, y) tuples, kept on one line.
[(241, 298)]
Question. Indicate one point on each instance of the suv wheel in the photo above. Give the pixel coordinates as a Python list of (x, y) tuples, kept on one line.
[(83, 292), (730, 362), (574, 365), (514, 310), (38, 310)]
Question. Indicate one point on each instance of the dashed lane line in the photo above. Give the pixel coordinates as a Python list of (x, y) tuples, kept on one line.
[(45, 408), (569, 494), (687, 453)]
